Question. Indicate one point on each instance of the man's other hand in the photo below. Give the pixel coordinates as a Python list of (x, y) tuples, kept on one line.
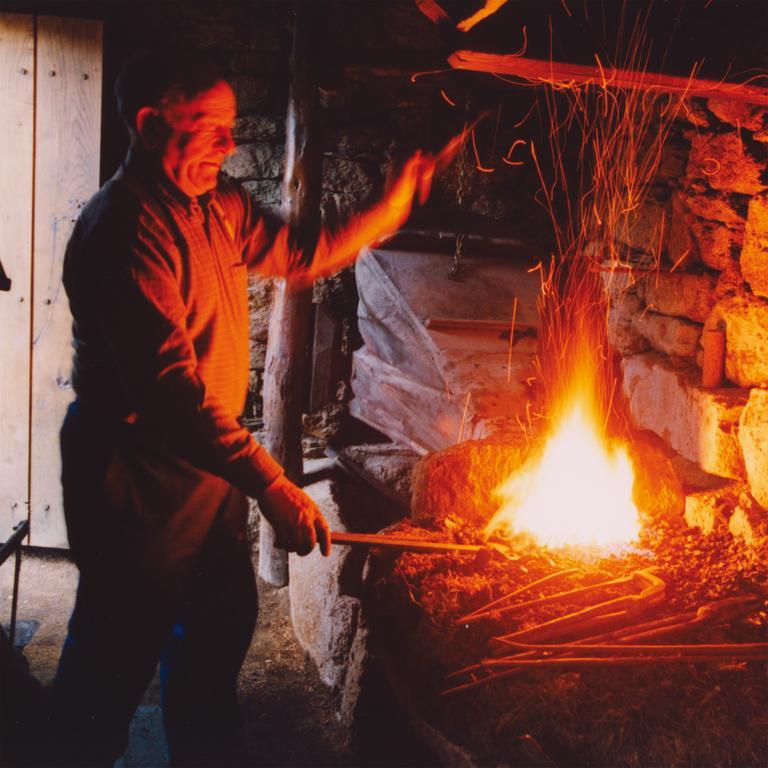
[(297, 521)]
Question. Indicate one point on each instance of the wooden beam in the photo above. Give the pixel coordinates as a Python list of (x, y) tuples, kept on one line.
[(543, 71), (290, 317)]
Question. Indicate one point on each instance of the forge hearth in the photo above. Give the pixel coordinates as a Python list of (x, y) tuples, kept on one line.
[(423, 629)]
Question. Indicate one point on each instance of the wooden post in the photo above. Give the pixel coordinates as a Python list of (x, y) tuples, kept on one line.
[(290, 317)]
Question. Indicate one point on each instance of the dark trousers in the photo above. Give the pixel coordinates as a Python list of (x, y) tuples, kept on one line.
[(165, 574)]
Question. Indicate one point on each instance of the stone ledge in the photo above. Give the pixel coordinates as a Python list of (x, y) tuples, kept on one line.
[(701, 424)]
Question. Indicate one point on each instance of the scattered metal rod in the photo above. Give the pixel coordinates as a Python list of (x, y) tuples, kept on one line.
[(728, 609), (600, 615), (404, 543), (564, 595), (486, 610), (719, 611), (690, 649), (610, 661)]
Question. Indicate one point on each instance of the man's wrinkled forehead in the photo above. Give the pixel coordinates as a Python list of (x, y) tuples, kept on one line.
[(217, 103)]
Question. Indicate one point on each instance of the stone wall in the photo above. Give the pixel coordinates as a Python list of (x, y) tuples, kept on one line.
[(712, 190)]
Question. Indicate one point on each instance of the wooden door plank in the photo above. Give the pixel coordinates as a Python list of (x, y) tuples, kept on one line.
[(67, 136), (17, 50)]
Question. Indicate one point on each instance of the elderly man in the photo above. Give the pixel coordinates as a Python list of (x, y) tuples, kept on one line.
[(156, 467)]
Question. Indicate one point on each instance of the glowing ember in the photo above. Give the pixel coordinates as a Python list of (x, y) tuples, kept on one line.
[(578, 491)]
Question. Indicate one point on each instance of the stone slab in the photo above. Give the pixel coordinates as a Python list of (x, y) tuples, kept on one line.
[(701, 424)]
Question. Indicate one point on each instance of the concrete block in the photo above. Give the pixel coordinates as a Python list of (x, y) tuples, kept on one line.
[(681, 294), (700, 424), (745, 318), (754, 253), (753, 438), (671, 335)]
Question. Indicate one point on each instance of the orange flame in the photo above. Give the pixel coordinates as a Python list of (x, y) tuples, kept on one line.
[(577, 491)]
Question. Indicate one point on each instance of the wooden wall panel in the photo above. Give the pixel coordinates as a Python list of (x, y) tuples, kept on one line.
[(17, 51), (67, 136)]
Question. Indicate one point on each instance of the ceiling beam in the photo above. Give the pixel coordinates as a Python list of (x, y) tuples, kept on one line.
[(544, 71)]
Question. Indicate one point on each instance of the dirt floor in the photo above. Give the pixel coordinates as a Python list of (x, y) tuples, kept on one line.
[(288, 713)]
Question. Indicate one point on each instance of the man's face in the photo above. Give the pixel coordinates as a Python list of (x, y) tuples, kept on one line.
[(199, 138)]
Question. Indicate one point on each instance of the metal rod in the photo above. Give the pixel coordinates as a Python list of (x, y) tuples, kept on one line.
[(402, 543), (487, 609)]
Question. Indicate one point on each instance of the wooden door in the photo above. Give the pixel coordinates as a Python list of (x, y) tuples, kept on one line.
[(60, 172)]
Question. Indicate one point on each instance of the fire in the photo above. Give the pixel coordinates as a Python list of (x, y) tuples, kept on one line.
[(576, 492)]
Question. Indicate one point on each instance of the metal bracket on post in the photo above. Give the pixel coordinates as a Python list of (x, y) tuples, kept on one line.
[(13, 547)]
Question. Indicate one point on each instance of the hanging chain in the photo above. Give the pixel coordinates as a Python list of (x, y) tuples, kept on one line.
[(454, 271)]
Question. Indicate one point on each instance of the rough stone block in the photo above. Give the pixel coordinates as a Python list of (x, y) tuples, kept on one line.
[(722, 159), (349, 181), (701, 424), (622, 335), (709, 509), (325, 619), (730, 209), (754, 254), (740, 115), (718, 245), (681, 294), (682, 247), (749, 521), (258, 128), (266, 193), (255, 161), (674, 157), (730, 282), (453, 489), (656, 489), (753, 438), (745, 318), (671, 335), (251, 92), (640, 229), (259, 304)]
